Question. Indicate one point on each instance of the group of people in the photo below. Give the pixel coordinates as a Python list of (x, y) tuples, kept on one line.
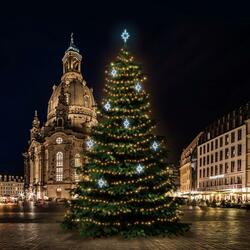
[(224, 202)]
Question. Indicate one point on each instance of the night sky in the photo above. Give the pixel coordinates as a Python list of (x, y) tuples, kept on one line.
[(196, 58)]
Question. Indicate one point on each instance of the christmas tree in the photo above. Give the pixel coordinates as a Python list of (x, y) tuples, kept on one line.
[(128, 188)]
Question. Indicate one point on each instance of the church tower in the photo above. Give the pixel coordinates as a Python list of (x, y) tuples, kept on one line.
[(72, 61), (79, 98), (56, 149), (35, 130)]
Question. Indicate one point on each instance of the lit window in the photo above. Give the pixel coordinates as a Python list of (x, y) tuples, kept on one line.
[(77, 164), (59, 159), (67, 98), (59, 174), (59, 140)]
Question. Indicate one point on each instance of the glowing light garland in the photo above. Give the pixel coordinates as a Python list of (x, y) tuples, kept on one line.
[(125, 211), (124, 202), (146, 223)]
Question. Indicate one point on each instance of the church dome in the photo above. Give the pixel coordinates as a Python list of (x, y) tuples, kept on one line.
[(79, 98)]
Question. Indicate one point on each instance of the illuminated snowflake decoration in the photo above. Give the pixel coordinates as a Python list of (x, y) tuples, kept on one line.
[(125, 36), (102, 183), (114, 72), (126, 123), (107, 106), (139, 169), (138, 87), (90, 143), (155, 145)]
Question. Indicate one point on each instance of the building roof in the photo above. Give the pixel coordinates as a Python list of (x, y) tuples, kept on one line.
[(72, 46)]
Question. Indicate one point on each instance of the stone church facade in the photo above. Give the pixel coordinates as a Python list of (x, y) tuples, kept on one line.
[(56, 149)]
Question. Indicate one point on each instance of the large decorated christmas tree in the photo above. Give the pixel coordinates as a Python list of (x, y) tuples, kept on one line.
[(128, 188)]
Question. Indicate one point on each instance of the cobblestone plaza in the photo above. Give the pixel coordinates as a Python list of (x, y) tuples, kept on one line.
[(212, 228)]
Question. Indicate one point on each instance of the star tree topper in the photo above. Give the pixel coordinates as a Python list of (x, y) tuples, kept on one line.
[(125, 36)]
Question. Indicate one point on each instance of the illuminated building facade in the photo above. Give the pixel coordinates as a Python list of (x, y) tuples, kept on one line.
[(188, 167), (56, 149), (223, 158), (11, 186)]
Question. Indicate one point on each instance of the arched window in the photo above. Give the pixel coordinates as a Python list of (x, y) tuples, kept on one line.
[(75, 64), (77, 160), (60, 122), (59, 166), (67, 98), (77, 164), (59, 159)]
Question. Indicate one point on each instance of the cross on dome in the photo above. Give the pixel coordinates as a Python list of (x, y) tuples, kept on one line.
[(72, 45)]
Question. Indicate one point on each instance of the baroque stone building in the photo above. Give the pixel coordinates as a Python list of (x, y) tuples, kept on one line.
[(56, 149)]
